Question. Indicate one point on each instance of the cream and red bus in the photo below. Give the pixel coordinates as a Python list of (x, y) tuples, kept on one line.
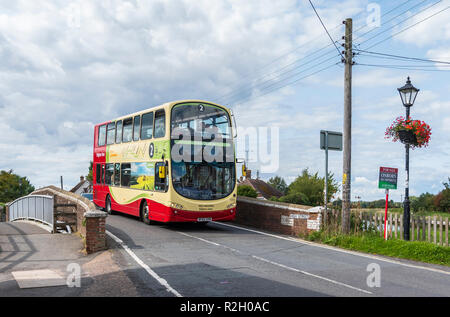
[(171, 163)]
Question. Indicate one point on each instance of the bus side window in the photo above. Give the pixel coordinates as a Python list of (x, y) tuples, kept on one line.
[(136, 128), (98, 174), (103, 174), (160, 183), (147, 126), (125, 177), (127, 130), (160, 124), (109, 172), (110, 133), (119, 131), (101, 135), (117, 174)]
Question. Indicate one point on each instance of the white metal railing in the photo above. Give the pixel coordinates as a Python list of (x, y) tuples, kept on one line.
[(32, 207)]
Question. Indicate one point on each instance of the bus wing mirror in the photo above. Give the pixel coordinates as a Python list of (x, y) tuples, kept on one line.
[(244, 170), (234, 127)]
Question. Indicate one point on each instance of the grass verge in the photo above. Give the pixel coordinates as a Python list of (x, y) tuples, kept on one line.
[(374, 244)]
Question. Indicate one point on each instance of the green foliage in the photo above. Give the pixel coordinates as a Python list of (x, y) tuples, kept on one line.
[(308, 189), (278, 183), (422, 203), (13, 186), (246, 190), (380, 203), (89, 175), (442, 200), (373, 243)]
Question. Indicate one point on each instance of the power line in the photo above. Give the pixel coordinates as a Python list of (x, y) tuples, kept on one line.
[(403, 57), (409, 27), (298, 79), (233, 94), (268, 81), (402, 67), (289, 77), (391, 19), (331, 39), (384, 14), (311, 52)]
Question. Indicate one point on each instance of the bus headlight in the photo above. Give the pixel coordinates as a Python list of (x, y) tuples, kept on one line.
[(231, 205), (177, 206)]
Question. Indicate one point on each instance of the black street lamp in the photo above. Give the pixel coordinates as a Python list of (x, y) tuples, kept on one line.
[(408, 94)]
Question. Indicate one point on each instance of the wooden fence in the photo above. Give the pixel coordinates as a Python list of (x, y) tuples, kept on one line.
[(432, 229)]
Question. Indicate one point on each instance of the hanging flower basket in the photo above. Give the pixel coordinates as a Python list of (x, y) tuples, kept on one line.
[(407, 137), (416, 133)]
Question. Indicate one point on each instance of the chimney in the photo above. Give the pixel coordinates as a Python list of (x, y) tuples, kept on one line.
[(249, 174), (81, 178)]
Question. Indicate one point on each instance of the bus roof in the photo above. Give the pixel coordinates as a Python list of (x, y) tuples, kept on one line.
[(163, 106)]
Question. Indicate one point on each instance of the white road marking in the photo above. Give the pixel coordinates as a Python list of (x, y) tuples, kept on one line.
[(310, 274), (210, 242), (336, 249), (160, 280), (277, 264)]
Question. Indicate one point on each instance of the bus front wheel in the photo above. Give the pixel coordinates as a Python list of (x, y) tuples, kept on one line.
[(108, 208), (145, 213)]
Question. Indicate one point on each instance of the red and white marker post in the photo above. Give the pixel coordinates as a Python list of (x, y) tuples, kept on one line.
[(386, 214)]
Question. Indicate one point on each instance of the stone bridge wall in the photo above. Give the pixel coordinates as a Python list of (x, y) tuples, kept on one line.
[(288, 219), (90, 222)]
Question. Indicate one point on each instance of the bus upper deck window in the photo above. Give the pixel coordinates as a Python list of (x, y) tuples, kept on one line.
[(127, 130), (101, 135), (119, 131), (147, 126), (136, 126), (110, 133), (160, 124)]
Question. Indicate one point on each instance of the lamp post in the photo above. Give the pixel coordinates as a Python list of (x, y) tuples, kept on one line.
[(408, 94)]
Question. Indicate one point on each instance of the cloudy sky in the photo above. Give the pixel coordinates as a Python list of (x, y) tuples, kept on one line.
[(67, 65)]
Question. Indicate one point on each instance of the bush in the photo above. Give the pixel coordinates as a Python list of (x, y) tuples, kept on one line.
[(247, 191)]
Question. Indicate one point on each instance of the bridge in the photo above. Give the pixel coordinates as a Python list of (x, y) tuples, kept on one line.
[(217, 259)]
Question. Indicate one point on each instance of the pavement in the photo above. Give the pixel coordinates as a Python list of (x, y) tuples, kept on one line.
[(26, 247)]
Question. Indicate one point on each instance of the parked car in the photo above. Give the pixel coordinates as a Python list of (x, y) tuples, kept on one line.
[(88, 196)]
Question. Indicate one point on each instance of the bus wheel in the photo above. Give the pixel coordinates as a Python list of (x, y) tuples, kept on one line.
[(108, 206), (145, 213)]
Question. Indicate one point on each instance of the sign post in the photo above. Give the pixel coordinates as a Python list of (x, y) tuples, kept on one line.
[(387, 180), (329, 140)]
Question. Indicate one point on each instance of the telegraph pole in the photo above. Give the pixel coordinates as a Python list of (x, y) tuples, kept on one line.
[(347, 159)]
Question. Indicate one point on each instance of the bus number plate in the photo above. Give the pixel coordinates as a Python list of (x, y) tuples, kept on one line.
[(203, 219)]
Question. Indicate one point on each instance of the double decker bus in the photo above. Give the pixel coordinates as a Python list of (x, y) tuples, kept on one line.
[(171, 163)]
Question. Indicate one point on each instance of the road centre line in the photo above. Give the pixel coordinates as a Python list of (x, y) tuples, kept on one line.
[(152, 273), (310, 274), (278, 264), (313, 244)]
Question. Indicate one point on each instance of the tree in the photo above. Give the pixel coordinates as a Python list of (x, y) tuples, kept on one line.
[(89, 176), (278, 183), (308, 189), (246, 190), (13, 186), (422, 203), (442, 200)]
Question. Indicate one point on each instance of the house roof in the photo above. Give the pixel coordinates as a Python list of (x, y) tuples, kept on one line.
[(81, 183), (261, 187)]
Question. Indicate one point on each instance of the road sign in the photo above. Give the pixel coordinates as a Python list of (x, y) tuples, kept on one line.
[(329, 140), (332, 139), (388, 178)]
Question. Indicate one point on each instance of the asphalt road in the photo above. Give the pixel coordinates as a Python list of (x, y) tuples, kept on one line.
[(226, 260)]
